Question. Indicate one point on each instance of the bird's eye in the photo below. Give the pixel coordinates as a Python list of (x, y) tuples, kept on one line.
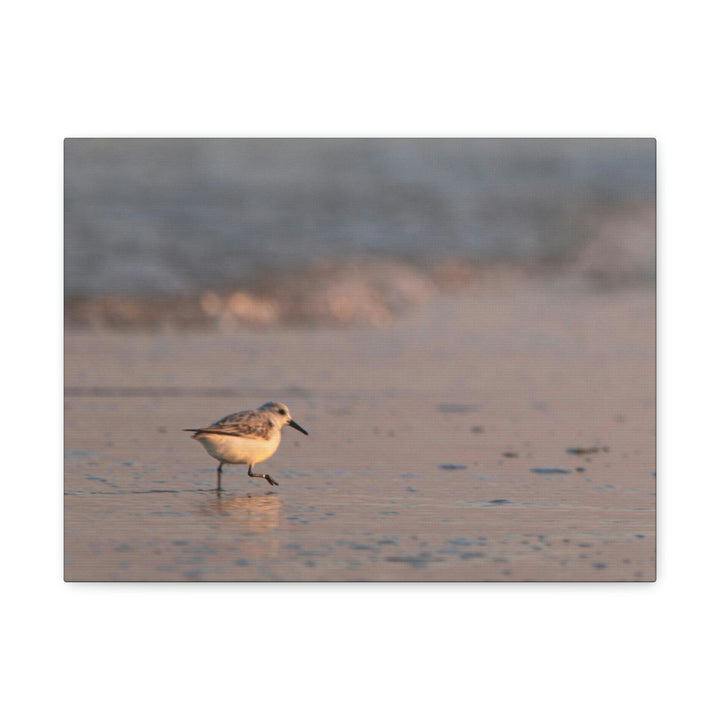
[(282, 412)]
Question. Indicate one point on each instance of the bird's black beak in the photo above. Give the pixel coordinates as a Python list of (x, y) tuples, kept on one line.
[(293, 424)]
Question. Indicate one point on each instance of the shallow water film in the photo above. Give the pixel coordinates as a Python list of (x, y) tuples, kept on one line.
[(472, 440)]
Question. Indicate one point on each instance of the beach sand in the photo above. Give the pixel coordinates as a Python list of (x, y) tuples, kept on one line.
[(501, 433)]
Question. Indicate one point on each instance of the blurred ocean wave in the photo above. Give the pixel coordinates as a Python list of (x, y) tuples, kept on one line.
[(271, 230)]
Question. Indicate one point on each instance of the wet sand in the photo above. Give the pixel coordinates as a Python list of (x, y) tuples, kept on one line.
[(505, 433)]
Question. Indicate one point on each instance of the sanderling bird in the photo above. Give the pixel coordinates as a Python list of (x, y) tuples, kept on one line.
[(247, 437)]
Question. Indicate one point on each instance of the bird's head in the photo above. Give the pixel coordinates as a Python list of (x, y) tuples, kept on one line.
[(281, 414)]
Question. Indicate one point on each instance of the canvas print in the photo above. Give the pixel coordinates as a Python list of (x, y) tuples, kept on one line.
[(378, 359)]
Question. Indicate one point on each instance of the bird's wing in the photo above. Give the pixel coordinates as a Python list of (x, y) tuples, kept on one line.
[(248, 423)]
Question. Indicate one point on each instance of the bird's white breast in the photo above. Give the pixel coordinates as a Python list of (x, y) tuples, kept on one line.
[(239, 450)]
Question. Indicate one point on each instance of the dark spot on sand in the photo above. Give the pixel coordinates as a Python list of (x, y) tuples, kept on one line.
[(460, 541), (510, 454), (419, 560), (456, 407), (588, 450), (477, 429), (550, 470), (499, 501), (452, 466), (582, 450), (77, 452)]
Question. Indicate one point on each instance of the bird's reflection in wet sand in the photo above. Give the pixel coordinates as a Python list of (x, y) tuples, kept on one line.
[(256, 513)]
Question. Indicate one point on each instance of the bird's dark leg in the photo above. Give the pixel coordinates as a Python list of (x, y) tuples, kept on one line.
[(219, 477), (267, 477)]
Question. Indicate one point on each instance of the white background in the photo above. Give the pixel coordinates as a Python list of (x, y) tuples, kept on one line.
[(334, 69)]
